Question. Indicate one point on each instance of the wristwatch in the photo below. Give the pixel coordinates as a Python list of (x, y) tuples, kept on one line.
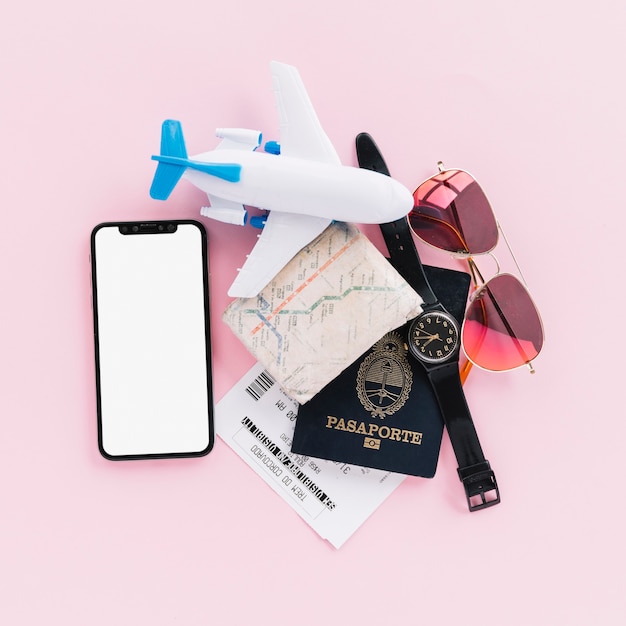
[(434, 341)]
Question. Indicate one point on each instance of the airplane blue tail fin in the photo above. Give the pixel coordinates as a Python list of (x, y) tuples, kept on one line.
[(168, 174), (173, 162)]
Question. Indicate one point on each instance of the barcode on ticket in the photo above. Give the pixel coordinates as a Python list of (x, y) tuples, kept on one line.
[(262, 383)]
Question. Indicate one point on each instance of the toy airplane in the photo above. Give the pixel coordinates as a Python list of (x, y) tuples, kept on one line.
[(304, 188)]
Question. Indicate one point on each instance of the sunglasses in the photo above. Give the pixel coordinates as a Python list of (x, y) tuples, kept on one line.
[(502, 329)]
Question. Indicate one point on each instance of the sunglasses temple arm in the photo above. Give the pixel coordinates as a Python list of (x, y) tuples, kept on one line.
[(506, 241), (465, 370)]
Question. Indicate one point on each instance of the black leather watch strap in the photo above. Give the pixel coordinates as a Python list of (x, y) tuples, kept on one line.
[(474, 470), (403, 254), (397, 235)]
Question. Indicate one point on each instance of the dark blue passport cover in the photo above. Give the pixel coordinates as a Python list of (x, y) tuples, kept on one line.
[(381, 411)]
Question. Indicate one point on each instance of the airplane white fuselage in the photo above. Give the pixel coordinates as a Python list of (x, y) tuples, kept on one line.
[(292, 185)]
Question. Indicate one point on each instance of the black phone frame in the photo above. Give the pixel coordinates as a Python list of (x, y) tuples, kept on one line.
[(152, 227)]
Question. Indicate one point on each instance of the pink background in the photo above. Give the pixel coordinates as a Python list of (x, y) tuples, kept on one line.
[(529, 97)]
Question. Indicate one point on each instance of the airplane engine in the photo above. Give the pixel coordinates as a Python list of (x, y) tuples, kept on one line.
[(228, 215), (244, 136)]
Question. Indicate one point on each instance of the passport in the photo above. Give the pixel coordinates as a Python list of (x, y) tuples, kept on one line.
[(381, 411)]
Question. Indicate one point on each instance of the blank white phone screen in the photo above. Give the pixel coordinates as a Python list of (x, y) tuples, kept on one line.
[(153, 353)]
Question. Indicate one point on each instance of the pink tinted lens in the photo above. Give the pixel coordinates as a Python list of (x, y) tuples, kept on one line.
[(502, 328), (451, 212)]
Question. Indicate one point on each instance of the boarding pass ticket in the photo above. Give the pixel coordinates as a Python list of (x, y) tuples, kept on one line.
[(256, 418)]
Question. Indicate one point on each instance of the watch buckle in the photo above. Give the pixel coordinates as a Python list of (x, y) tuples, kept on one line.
[(481, 488)]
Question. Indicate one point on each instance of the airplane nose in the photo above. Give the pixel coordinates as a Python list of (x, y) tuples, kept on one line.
[(402, 199)]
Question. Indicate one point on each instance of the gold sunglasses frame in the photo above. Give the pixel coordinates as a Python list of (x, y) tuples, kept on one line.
[(476, 274)]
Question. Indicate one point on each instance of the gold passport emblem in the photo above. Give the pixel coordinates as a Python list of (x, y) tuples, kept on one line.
[(383, 385), (373, 444), (384, 378)]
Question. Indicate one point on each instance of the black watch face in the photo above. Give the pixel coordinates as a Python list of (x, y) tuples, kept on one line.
[(434, 337)]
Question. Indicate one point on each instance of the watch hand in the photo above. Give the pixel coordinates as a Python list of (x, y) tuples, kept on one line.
[(423, 332), (432, 338)]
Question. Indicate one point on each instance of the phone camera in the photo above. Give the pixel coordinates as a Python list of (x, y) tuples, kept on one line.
[(171, 228), (135, 228)]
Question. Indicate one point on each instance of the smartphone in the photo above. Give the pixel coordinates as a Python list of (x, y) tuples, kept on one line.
[(150, 284)]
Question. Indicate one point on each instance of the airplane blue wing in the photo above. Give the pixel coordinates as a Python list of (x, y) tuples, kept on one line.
[(165, 179), (168, 174), (282, 237), (301, 134), (172, 139)]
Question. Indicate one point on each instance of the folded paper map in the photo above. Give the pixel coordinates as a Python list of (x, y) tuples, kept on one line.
[(326, 307)]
